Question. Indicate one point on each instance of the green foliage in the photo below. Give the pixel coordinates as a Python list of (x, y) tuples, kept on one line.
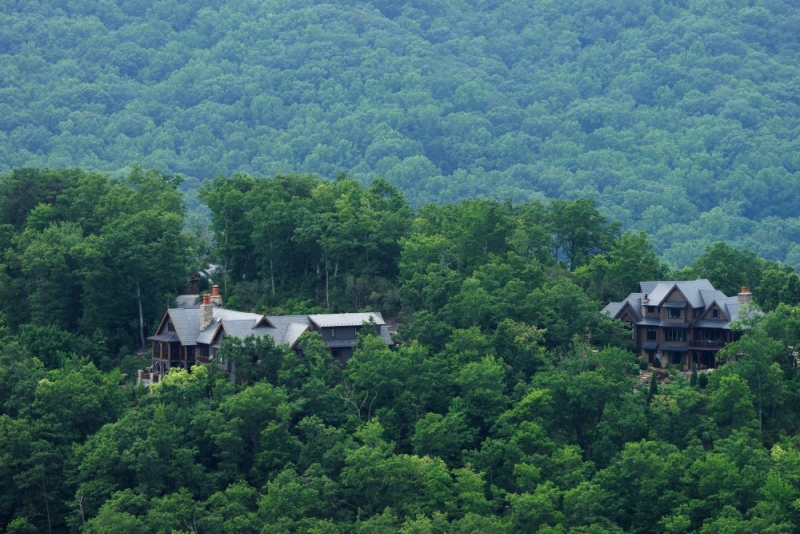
[(297, 235), (503, 407), (91, 265), (677, 118), (702, 380), (652, 390)]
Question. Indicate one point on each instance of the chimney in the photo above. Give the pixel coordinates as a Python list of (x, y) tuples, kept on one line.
[(745, 297), (206, 312), (216, 299), (645, 300)]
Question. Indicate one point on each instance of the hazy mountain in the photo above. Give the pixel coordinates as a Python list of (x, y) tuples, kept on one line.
[(680, 118)]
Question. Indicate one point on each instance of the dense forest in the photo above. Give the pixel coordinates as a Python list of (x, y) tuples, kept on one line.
[(508, 406), (680, 118)]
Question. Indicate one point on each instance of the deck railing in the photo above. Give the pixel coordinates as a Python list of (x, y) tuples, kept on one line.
[(707, 343)]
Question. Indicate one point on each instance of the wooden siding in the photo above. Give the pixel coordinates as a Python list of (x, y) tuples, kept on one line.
[(709, 315), (676, 295), (342, 332)]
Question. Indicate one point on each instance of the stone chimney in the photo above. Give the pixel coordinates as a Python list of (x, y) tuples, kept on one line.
[(216, 298), (645, 300), (206, 312), (745, 297)]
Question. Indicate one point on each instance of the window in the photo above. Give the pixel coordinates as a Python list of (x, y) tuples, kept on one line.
[(715, 313), (651, 309), (170, 326), (675, 334), (674, 313), (333, 333), (651, 333)]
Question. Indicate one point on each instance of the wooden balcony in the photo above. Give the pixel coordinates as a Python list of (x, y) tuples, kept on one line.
[(709, 344), (203, 359)]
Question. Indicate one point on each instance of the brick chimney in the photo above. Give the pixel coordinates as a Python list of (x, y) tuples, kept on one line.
[(745, 297), (206, 312), (216, 298)]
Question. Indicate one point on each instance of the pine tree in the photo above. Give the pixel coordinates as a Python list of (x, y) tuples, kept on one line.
[(703, 381), (653, 388)]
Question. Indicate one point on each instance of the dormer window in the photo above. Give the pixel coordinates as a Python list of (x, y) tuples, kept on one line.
[(714, 313), (651, 309), (674, 313), (170, 327)]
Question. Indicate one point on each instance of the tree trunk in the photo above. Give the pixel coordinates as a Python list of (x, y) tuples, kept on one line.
[(47, 508), (141, 314), (271, 267), (272, 276)]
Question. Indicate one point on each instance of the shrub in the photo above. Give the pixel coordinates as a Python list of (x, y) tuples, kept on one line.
[(702, 380)]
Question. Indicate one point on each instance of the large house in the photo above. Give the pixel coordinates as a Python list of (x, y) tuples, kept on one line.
[(191, 333), (680, 322)]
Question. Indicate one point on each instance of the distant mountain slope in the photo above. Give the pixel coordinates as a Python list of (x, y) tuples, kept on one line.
[(681, 118)]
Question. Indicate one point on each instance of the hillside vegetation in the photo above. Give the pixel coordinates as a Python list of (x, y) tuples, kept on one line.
[(508, 406), (679, 118)]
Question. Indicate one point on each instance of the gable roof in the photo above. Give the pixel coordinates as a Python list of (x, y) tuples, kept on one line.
[(633, 302), (283, 329), (698, 293), (293, 333), (658, 291)]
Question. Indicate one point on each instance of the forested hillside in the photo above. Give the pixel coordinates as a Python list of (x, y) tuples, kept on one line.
[(679, 118), (509, 404)]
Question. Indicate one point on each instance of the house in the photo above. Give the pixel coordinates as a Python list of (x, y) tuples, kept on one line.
[(191, 333), (681, 322)]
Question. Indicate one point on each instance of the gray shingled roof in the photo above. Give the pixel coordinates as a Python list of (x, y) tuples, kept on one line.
[(207, 335), (387, 337), (658, 291), (287, 328), (243, 328), (188, 301), (734, 308), (293, 333), (699, 293), (634, 299), (332, 320), (187, 324), (718, 297)]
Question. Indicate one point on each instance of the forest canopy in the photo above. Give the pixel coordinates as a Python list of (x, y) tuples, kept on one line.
[(508, 405), (679, 118)]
